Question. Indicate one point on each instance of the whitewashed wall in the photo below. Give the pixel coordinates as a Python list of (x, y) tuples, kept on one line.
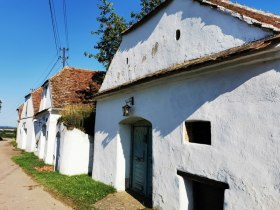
[(19, 136), (243, 107), (46, 98), (50, 138), (42, 120), (153, 46), (76, 151), (21, 139), (26, 139)]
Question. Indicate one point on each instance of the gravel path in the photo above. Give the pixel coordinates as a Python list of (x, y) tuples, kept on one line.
[(17, 190)]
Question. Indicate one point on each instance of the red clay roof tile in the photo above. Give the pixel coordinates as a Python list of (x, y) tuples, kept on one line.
[(36, 99), (67, 85), (263, 19)]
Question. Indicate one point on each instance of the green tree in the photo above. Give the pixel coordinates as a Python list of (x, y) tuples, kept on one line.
[(110, 28), (146, 7)]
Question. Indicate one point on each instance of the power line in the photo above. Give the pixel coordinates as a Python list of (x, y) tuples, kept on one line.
[(54, 26), (45, 70), (51, 69), (65, 23)]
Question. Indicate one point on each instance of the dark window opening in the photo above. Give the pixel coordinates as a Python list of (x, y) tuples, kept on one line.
[(198, 132), (178, 34), (207, 194), (207, 197), (126, 60)]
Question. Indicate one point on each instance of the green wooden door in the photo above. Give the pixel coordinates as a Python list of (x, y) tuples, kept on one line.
[(142, 160)]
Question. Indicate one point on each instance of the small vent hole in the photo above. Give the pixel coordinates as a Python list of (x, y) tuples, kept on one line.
[(178, 34)]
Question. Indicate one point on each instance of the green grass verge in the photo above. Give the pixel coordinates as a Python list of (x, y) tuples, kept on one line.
[(81, 191)]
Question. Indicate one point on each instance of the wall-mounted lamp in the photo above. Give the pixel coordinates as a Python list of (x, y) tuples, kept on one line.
[(127, 107)]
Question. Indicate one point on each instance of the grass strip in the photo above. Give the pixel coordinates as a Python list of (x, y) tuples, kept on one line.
[(80, 191)]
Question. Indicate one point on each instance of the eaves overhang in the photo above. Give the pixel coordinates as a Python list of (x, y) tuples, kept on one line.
[(193, 66)]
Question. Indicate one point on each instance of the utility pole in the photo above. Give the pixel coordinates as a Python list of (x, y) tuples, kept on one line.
[(64, 57)]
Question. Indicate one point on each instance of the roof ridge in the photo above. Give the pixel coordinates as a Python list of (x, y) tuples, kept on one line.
[(267, 13), (247, 14), (70, 68), (272, 25)]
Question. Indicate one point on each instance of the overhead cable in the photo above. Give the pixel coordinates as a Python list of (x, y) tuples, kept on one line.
[(51, 70), (65, 23), (54, 26)]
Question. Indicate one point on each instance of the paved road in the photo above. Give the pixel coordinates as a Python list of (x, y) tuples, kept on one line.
[(17, 190)]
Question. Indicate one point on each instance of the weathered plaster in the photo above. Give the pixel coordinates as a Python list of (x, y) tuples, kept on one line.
[(46, 102), (26, 138), (153, 46), (243, 107), (50, 138)]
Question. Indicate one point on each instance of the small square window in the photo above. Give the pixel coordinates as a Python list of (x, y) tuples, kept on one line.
[(198, 132)]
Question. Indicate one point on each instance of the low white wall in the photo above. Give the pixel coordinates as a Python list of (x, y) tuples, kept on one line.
[(76, 151)]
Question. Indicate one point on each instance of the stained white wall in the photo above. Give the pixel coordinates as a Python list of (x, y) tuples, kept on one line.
[(21, 140), (26, 139), (76, 151), (153, 46), (19, 136), (42, 120), (243, 107), (50, 139), (46, 98)]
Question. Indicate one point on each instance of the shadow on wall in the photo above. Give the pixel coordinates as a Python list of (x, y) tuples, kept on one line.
[(91, 151), (202, 90), (208, 88), (203, 16)]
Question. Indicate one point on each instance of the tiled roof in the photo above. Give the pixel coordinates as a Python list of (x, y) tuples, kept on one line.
[(19, 110), (244, 13), (247, 14), (68, 84), (36, 99)]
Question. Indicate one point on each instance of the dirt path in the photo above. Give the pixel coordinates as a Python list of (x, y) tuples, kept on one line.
[(17, 190)]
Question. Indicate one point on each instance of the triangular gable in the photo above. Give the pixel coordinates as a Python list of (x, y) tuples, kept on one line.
[(182, 31)]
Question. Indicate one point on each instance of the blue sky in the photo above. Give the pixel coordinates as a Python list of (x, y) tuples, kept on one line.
[(27, 49)]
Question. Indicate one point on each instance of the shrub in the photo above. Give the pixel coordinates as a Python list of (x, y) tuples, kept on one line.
[(8, 134), (81, 117)]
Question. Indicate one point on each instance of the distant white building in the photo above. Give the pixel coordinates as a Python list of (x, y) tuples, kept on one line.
[(19, 125), (26, 123), (188, 115), (65, 88)]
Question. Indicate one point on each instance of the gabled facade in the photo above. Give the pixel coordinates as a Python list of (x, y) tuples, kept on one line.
[(64, 88), (26, 127), (188, 113)]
